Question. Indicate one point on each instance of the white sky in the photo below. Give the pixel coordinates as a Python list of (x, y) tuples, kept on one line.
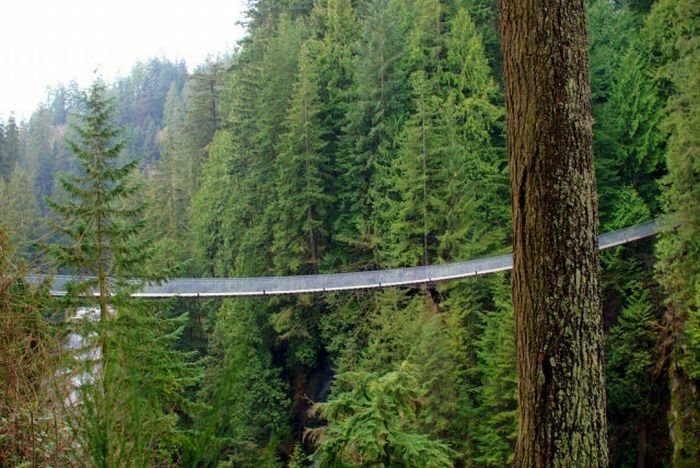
[(47, 42)]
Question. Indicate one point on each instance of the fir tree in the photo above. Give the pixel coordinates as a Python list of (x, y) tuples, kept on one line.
[(674, 31), (127, 407), (426, 36), (632, 375), (556, 293), (411, 235), (170, 189), (20, 213), (628, 139), (485, 15), (475, 180), (380, 94), (245, 418), (497, 395), (376, 423), (208, 208), (41, 156), (303, 198), (10, 147), (332, 65)]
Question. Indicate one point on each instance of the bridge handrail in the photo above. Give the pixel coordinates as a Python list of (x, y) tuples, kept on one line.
[(330, 282)]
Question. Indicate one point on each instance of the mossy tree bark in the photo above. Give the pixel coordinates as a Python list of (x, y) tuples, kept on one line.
[(556, 298)]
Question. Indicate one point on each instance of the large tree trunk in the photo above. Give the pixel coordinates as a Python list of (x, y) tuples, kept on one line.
[(556, 268)]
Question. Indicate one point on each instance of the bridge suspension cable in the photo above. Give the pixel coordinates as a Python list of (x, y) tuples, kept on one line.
[(302, 284)]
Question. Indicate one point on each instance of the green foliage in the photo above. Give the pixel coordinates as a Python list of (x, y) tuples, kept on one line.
[(425, 39), (45, 154), (485, 14), (128, 405), (298, 459), (343, 136), (447, 183), (139, 103), (610, 31), (673, 28), (97, 210), (33, 429), (412, 231), (394, 327), (378, 100), (231, 209), (130, 412), (9, 146), (632, 338), (628, 105), (495, 425), (630, 142), (376, 423), (243, 389), (333, 69), (169, 192), (632, 376), (203, 95), (303, 198), (474, 184), (20, 213), (209, 204), (439, 353)]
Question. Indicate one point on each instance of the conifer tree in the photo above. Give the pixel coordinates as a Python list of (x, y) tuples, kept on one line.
[(479, 117), (280, 63), (246, 404), (556, 294), (426, 36), (3, 163), (673, 28), (440, 356), (10, 148), (376, 423), (41, 155), (249, 146), (303, 195), (631, 361), (203, 94), (611, 29), (20, 213), (170, 190), (411, 237), (628, 138), (497, 394), (208, 208), (485, 15), (126, 406), (629, 146), (303, 202), (375, 117), (333, 68), (449, 183)]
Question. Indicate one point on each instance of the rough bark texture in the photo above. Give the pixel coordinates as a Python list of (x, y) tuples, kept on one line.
[(556, 268)]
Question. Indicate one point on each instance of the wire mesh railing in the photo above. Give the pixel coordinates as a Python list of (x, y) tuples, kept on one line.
[(301, 284)]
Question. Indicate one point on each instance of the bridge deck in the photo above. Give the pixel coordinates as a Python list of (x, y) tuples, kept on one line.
[(270, 285)]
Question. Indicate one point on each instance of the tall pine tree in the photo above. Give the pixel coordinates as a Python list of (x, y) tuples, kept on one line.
[(131, 391), (675, 33)]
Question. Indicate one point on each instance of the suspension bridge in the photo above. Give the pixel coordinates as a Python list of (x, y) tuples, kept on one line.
[(322, 283)]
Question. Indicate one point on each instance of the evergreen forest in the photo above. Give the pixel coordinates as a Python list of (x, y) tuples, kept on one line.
[(339, 136)]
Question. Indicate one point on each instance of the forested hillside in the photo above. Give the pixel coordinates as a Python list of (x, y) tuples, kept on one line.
[(354, 135)]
